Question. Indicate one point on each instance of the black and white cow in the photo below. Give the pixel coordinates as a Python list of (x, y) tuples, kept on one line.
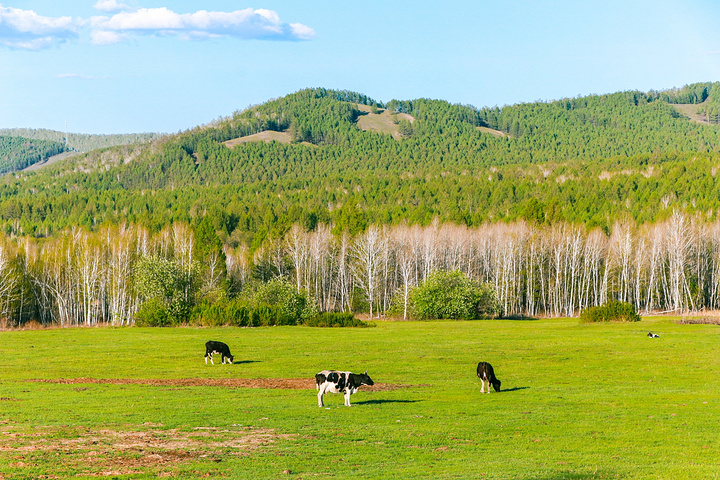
[(653, 335), (486, 373), (340, 382), (220, 348)]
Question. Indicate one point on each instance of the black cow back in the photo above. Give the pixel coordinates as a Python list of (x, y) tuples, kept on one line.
[(485, 371)]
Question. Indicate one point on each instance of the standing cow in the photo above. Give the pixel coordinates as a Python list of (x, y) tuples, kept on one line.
[(486, 373), (212, 347), (340, 382)]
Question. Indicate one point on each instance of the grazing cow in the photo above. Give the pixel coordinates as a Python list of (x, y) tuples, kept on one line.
[(217, 347), (486, 373), (340, 382), (653, 335)]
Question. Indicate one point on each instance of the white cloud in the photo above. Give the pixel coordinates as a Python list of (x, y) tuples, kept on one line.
[(25, 29), (245, 24), (302, 32), (105, 37), (110, 6)]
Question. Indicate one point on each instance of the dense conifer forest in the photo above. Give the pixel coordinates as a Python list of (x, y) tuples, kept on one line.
[(17, 153), (575, 188), (81, 142)]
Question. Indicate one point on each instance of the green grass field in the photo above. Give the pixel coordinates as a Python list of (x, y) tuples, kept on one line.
[(579, 401)]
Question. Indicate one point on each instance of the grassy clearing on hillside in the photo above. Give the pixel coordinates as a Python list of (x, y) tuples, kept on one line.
[(692, 111), (381, 122), (266, 136), (493, 132), (578, 402)]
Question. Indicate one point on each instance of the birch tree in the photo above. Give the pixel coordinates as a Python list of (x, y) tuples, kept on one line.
[(367, 251)]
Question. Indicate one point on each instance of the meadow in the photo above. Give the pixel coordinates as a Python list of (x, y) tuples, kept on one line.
[(579, 401)]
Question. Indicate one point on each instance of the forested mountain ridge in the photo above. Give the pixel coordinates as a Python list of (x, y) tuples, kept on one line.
[(587, 160), (17, 153), (82, 142), (557, 205)]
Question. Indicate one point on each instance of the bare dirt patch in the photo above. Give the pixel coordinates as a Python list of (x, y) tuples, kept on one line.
[(382, 122), (692, 112), (699, 321), (281, 383), (493, 132), (109, 452), (266, 136)]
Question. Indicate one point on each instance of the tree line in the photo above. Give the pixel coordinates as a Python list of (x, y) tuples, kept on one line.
[(590, 160), (83, 277), (81, 142), (17, 153)]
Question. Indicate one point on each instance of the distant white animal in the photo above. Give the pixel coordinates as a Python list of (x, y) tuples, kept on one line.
[(340, 382), (653, 335)]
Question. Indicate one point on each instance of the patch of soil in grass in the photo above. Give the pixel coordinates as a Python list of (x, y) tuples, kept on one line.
[(266, 136), (699, 321), (281, 383), (109, 452), (382, 122)]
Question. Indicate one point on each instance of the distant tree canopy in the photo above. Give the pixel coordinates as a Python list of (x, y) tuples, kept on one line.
[(17, 153), (545, 207), (591, 160), (82, 142)]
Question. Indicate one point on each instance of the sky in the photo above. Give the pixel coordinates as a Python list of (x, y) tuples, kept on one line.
[(130, 66)]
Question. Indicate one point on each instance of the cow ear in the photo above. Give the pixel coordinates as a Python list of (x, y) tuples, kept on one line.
[(366, 371)]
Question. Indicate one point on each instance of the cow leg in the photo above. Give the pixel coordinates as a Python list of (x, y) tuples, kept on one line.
[(206, 355), (211, 359), (482, 386), (347, 398), (320, 396)]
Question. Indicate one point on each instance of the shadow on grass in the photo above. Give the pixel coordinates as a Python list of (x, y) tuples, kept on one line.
[(379, 402), (240, 362), (514, 389), (517, 317)]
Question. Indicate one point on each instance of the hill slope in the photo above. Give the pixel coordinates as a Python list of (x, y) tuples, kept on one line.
[(80, 141), (17, 153), (589, 159)]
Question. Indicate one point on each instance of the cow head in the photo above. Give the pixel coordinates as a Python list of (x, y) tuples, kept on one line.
[(496, 385), (366, 380)]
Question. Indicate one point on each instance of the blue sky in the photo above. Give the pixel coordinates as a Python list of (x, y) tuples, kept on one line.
[(121, 66)]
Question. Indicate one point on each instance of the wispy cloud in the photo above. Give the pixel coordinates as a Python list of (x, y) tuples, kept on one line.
[(111, 6), (77, 76), (245, 24), (25, 29)]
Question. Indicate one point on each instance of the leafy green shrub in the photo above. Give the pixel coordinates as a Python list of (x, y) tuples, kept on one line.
[(237, 314), (453, 295), (234, 313), (269, 315), (611, 311), (336, 319), (168, 287), (153, 313), (293, 306)]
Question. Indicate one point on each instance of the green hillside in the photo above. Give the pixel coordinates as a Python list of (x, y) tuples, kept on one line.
[(590, 160), (557, 206), (17, 153), (81, 142)]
